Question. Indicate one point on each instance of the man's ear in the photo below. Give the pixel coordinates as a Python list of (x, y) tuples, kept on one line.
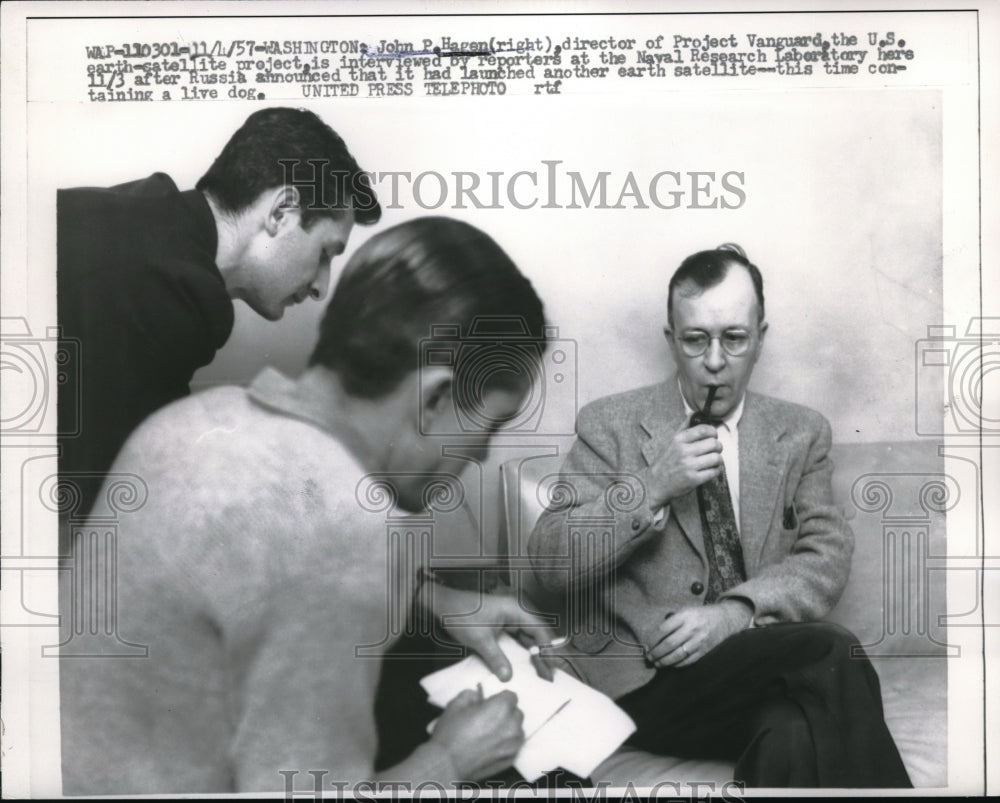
[(436, 384), (283, 208), (761, 331)]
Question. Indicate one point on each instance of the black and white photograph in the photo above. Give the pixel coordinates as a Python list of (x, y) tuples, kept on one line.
[(548, 400)]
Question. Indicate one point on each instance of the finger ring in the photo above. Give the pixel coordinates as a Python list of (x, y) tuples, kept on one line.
[(685, 650)]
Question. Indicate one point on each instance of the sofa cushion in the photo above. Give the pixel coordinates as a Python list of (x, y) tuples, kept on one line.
[(914, 697)]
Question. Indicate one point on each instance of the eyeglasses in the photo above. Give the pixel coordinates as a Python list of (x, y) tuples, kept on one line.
[(735, 342)]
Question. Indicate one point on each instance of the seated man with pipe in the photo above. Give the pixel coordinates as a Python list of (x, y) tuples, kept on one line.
[(701, 610)]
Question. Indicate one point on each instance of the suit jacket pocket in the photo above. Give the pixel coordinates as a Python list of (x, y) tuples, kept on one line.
[(790, 518)]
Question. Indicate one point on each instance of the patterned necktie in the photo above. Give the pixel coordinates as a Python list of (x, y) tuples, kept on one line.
[(718, 523)]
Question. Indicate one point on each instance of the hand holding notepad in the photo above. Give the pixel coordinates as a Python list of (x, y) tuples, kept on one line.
[(566, 723)]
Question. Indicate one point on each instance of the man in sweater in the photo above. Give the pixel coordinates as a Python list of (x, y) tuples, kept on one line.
[(146, 273), (258, 573)]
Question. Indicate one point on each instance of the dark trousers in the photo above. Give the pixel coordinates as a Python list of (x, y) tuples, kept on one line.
[(788, 703)]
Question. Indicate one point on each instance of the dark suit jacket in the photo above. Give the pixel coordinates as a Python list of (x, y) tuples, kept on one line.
[(140, 294), (797, 545)]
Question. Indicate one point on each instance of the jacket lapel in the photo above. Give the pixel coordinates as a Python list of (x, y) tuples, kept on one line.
[(763, 459), (663, 416)]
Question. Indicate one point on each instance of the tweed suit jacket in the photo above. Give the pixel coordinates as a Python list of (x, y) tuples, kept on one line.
[(597, 544)]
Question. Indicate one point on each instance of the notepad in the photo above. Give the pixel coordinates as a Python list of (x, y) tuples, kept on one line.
[(566, 724)]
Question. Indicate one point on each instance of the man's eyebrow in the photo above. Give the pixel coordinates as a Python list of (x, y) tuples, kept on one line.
[(736, 327)]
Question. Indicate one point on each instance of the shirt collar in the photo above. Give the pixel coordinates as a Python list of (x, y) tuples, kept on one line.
[(276, 392), (731, 421)]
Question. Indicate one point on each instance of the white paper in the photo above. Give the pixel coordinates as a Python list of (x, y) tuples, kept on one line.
[(537, 698), (566, 723)]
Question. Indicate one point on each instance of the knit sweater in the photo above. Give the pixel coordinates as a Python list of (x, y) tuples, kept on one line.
[(252, 573)]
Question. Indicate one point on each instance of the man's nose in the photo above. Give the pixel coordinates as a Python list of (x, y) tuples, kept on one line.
[(317, 290), (715, 356)]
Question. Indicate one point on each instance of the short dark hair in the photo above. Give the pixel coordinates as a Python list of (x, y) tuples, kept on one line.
[(708, 268), (428, 272), (278, 144)]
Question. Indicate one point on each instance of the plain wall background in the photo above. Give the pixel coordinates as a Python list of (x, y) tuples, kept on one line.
[(843, 216)]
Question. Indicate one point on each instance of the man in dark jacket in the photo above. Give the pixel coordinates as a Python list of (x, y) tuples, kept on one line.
[(146, 272)]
